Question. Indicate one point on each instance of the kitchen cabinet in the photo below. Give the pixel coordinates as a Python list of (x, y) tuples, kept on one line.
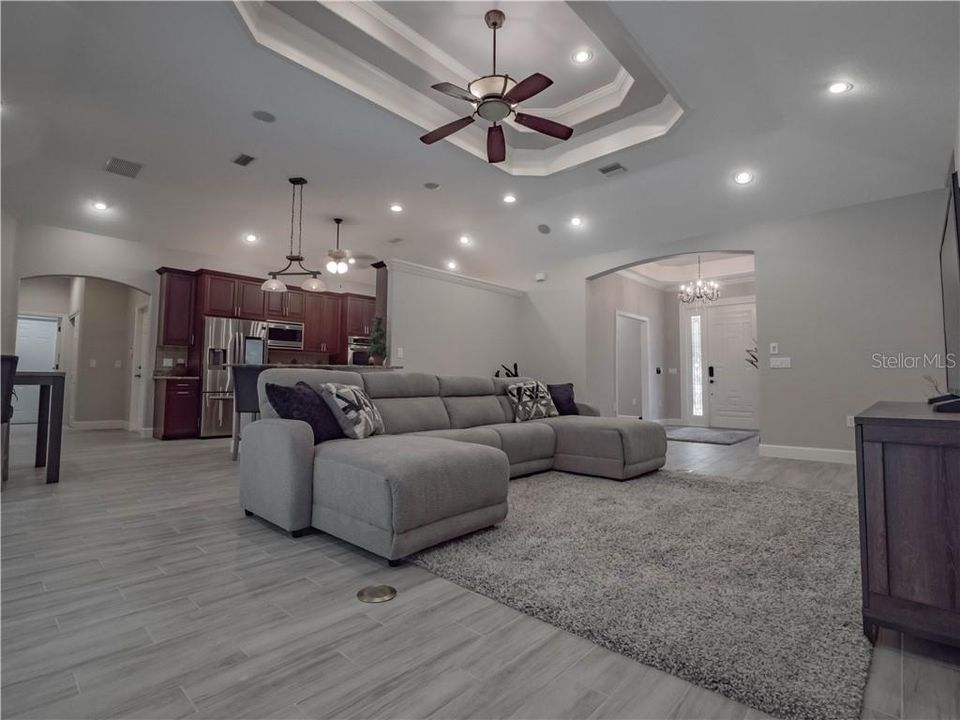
[(177, 291), (286, 306), (357, 314), (321, 327), (250, 300), (176, 408), (218, 295)]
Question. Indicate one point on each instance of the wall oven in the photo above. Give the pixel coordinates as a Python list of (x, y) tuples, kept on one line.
[(358, 350), (285, 335)]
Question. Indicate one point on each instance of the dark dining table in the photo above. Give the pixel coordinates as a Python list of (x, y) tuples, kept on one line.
[(49, 417)]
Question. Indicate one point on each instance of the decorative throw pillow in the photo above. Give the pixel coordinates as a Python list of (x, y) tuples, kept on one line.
[(351, 406), (301, 402), (530, 400), (562, 396)]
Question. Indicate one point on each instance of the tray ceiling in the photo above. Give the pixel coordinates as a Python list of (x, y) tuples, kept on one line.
[(392, 52)]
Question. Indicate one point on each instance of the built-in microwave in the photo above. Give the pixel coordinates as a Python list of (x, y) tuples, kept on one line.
[(285, 335)]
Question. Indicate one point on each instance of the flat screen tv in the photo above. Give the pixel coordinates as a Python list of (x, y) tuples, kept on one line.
[(950, 286)]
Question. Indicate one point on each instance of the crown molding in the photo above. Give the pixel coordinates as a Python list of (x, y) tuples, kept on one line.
[(291, 39), (396, 265)]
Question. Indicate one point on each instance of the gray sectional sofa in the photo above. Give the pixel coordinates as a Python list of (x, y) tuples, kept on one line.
[(441, 470)]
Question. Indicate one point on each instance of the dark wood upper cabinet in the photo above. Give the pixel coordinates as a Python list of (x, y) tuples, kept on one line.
[(288, 305), (295, 305), (250, 300), (321, 330), (219, 295), (177, 291), (357, 313)]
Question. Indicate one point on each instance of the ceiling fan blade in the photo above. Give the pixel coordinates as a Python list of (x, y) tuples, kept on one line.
[(454, 91), (496, 145), (525, 89), (542, 125), (449, 129)]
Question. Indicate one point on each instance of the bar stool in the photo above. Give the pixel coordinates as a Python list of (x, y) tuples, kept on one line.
[(245, 399)]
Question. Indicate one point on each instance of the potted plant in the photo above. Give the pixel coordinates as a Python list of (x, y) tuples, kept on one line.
[(378, 342)]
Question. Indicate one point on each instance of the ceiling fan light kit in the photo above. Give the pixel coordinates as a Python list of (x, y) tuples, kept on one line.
[(313, 282), (495, 97), (337, 263)]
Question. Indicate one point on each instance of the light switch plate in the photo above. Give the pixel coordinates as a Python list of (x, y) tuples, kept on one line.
[(93, 362), (780, 362), (850, 421), (774, 349), (671, 371), (118, 364), (168, 362), (399, 353)]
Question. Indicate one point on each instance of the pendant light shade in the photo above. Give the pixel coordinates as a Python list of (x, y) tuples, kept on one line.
[(313, 282), (273, 285)]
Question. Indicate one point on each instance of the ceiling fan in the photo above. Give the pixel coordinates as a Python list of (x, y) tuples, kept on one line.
[(495, 97)]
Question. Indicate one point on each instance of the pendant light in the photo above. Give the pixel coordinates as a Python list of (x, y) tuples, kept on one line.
[(337, 264), (313, 283)]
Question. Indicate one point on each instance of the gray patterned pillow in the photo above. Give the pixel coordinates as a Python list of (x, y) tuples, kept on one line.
[(351, 406), (530, 400)]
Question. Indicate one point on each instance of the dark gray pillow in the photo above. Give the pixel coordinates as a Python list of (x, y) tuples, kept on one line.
[(562, 396), (302, 402)]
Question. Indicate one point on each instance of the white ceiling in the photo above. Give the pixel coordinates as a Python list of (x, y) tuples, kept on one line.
[(172, 85)]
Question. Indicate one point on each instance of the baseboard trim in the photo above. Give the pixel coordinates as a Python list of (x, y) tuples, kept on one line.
[(796, 452), (99, 425), (146, 432)]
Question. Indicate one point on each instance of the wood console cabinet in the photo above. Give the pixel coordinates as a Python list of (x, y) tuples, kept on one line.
[(908, 474)]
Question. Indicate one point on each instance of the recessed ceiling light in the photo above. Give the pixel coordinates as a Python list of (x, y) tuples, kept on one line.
[(743, 177), (99, 205), (576, 221), (352, 260), (840, 87), (509, 199), (250, 238), (582, 56), (465, 240), (396, 207), (451, 264)]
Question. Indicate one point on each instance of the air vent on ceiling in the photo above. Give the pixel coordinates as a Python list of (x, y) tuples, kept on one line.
[(610, 170), (127, 168), (394, 241), (243, 159)]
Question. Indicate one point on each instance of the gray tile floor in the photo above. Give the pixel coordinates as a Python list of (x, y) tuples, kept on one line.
[(137, 588)]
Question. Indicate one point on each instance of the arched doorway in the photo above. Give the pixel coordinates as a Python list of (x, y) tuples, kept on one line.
[(97, 331)]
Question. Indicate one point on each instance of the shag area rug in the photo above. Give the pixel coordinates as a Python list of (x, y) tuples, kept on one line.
[(714, 436), (744, 588)]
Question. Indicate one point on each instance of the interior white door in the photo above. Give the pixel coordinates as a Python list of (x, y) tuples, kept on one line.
[(732, 382), (631, 354), (36, 350)]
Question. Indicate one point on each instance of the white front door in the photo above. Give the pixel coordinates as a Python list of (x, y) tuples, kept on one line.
[(36, 350), (731, 380)]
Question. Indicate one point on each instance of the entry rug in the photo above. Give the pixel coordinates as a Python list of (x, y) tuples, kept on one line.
[(714, 436), (741, 587)]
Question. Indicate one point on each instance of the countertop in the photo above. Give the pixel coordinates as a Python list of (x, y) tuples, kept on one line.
[(352, 368), (176, 377), (906, 413)]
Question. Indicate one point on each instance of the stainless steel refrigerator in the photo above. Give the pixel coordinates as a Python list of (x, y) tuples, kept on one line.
[(226, 342)]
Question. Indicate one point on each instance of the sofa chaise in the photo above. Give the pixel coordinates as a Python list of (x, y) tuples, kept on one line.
[(440, 471)]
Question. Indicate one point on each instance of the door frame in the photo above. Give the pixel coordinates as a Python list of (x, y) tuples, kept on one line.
[(686, 311), (138, 355), (645, 383)]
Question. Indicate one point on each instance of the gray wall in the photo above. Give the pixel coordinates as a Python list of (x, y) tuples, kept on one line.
[(44, 296), (832, 289), (8, 284), (450, 328)]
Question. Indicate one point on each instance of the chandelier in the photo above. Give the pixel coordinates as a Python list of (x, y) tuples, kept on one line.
[(313, 283), (699, 291), (337, 264)]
